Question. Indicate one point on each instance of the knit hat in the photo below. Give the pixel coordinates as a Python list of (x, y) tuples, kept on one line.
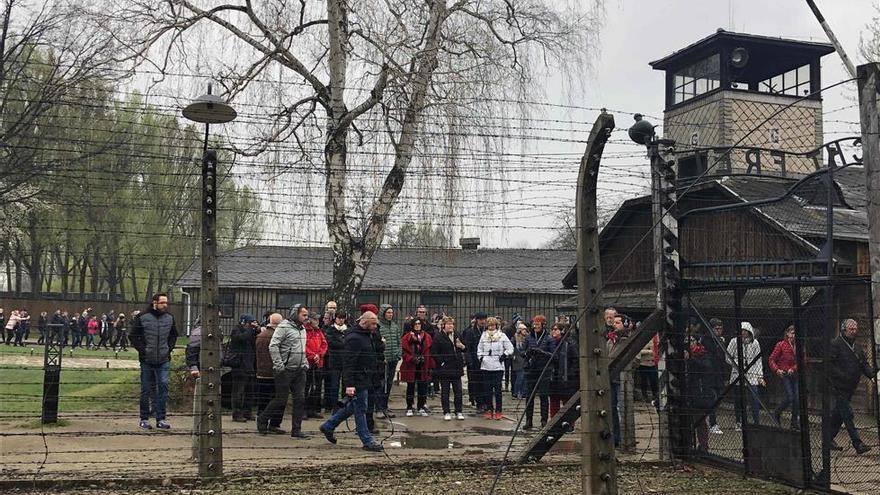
[(246, 318), (369, 307), (480, 315)]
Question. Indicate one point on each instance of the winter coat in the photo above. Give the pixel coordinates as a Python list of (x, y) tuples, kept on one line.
[(847, 365), (650, 354), (701, 394), (490, 352), (783, 358), (519, 361), (288, 347), (316, 346), (359, 362), (13, 321), (471, 340), (416, 354), (537, 350), (392, 331), (153, 334), (335, 338), (566, 368), (716, 357), (448, 359), (194, 348), (243, 341), (93, 327), (264, 357), (751, 352)]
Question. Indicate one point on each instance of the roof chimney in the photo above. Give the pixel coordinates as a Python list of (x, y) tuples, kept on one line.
[(469, 242)]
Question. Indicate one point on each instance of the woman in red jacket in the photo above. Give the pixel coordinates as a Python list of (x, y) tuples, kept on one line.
[(316, 348), (783, 362), (415, 369)]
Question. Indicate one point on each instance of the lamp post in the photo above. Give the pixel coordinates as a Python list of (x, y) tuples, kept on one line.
[(209, 109)]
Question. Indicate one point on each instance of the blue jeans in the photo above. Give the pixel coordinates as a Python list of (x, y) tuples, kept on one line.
[(791, 398), (615, 413), (331, 388), (753, 400), (519, 383), (154, 375), (357, 406)]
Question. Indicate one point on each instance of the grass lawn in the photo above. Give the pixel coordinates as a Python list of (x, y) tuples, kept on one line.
[(179, 347), (21, 391)]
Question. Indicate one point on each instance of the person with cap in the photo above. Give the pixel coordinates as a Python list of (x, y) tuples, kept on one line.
[(242, 345), (471, 340), (753, 367), (392, 332), (847, 365), (359, 365), (289, 366), (316, 349), (264, 385)]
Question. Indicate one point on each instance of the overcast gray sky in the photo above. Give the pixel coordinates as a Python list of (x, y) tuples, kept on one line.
[(637, 32)]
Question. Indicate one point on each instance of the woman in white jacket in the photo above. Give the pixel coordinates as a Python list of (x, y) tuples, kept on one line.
[(751, 352), (492, 351)]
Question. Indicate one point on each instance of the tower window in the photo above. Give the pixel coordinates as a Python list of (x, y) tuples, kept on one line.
[(795, 82), (696, 79)]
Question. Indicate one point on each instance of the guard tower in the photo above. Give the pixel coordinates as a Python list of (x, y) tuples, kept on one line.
[(722, 86)]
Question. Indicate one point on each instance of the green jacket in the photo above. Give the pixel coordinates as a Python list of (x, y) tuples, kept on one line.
[(392, 332)]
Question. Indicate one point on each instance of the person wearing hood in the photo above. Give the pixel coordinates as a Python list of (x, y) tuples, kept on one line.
[(265, 375), (242, 343), (335, 336), (415, 369), (754, 372), (316, 349), (154, 334), (392, 332), (359, 365), (847, 365), (289, 366), (493, 350)]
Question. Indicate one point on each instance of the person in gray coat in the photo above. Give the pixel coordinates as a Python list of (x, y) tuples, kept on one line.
[(289, 365), (154, 334)]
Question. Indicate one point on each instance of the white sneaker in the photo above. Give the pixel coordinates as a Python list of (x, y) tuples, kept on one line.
[(423, 412), (739, 427), (459, 416), (447, 417), (409, 413), (716, 430)]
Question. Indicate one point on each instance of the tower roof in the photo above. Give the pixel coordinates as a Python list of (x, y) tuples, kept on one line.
[(767, 55)]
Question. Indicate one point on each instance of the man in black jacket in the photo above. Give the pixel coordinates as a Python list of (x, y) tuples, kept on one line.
[(847, 364), (242, 343), (358, 368), (335, 335), (154, 334)]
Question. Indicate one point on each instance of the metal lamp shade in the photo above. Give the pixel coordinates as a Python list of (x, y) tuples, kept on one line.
[(209, 109)]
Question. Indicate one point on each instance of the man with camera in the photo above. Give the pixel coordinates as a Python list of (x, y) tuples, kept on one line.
[(358, 367)]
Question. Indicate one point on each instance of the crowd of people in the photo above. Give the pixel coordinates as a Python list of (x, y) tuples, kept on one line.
[(85, 329)]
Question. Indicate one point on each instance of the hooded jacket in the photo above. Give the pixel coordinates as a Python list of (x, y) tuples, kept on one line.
[(288, 347), (316, 346), (393, 332), (359, 361), (153, 334), (751, 352), (491, 348)]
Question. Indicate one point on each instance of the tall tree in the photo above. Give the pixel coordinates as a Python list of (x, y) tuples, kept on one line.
[(399, 75)]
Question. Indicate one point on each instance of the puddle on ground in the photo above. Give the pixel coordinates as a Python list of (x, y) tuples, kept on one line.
[(419, 441), (482, 430)]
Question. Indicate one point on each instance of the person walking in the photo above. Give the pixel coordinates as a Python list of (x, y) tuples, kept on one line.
[(93, 329), (448, 353), (754, 372), (716, 355), (154, 334), (783, 363), (121, 341), (58, 332), (701, 392), (359, 364), (43, 328), (415, 370), (847, 365), (493, 350), (242, 346), (316, 349), (335, 336), (289, 366), (265, 375), (392, 332)]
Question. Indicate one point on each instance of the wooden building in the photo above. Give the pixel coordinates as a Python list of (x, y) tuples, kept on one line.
[(456, 282)]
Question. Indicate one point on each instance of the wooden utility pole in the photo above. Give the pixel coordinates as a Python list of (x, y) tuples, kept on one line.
[(869, 113), (598, 469)]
